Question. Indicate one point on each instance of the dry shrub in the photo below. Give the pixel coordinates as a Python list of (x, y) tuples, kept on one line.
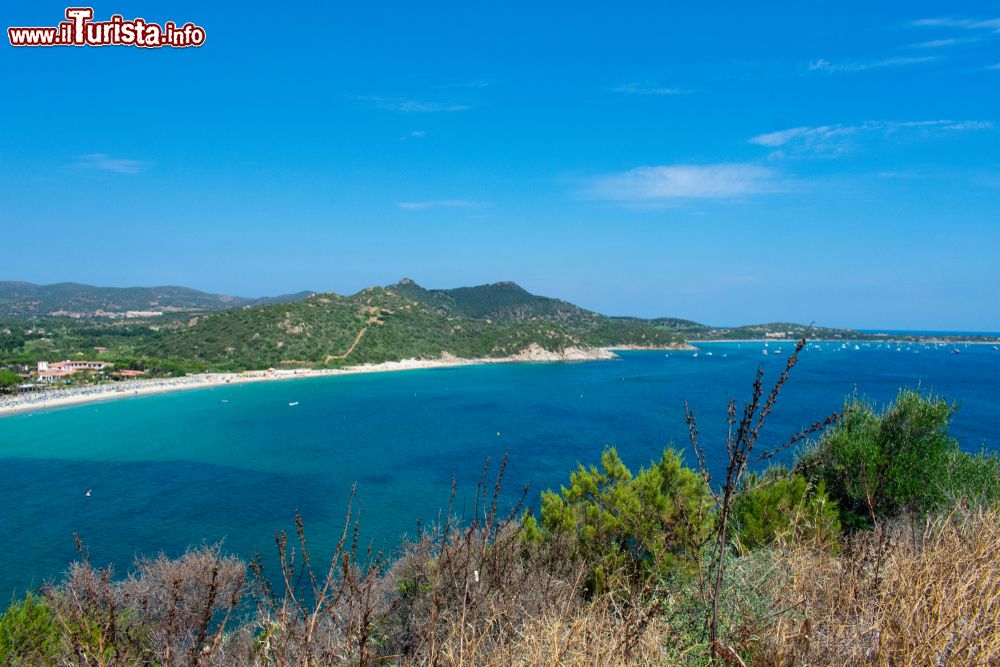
[(477, 593), (173, 612), (318, 613), (902, 595)]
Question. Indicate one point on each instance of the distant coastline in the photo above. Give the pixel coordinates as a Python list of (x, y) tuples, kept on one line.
[(72, 396)]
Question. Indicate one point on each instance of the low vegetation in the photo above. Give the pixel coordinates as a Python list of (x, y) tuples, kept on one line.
[(878, 544)]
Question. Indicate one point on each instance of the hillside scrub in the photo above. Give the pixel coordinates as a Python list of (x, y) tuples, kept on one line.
[(615, 569), (905, 594), (655, 521), (785, 508), (898, 461)]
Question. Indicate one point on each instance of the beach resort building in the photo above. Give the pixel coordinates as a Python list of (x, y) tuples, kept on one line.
[(49, 372)]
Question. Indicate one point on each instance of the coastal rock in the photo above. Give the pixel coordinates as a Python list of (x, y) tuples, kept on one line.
[(536, 352)]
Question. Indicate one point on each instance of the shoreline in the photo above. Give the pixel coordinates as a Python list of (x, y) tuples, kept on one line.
[(73, 396)]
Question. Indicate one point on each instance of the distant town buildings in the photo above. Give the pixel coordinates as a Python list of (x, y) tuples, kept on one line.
[(128, 315)]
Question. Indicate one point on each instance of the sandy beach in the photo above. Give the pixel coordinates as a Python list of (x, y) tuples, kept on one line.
[(56, 398)]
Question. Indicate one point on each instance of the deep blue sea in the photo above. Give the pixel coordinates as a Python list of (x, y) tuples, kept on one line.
[(186, 468)]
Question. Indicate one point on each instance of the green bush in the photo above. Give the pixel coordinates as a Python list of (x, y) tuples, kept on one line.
[(654, 521), (29, 634), (973, 478), (8, 380), (785, 507), (899, 461)]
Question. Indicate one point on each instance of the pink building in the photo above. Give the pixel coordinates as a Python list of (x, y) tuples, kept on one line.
[(48, 372)]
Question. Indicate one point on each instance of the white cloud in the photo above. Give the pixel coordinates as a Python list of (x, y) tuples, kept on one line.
[(936, 43), (408, 105), (104, 162), (685, 181), (440, 203), (647, 88), (782, 137), (967, 24), (968, 125), (834, 139), (824, 65)]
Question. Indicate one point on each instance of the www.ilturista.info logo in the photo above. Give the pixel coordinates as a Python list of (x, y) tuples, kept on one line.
[(81, 30)]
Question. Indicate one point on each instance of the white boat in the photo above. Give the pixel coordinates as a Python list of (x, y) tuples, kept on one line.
[(293, 404), (764, 351)]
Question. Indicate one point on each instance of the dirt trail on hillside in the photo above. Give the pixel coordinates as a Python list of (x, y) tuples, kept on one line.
[(357, 339)]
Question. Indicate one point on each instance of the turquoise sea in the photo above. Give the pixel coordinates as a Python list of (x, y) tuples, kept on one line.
[(235, 463)]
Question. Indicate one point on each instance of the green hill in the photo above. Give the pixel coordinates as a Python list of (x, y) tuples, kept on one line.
[(202, 331), (385, 324), (22, 300), (504, 301)]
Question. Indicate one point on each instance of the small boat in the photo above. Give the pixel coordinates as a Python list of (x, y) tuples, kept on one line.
[(956, 351), (293, 404), (778, 351), (764, 351), (856, 347), (88, 493), (225, 400), (695, 355), (709, 354)]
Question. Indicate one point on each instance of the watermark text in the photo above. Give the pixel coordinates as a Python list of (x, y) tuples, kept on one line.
[(80, 29)]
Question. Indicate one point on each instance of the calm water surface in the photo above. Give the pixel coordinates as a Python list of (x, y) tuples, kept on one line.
[(178, 469)]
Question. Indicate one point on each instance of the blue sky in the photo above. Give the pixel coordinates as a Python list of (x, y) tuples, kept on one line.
[(827, 161)]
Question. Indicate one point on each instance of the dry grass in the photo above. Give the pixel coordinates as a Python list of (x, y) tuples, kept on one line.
[(588, 634), (913, 595)]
